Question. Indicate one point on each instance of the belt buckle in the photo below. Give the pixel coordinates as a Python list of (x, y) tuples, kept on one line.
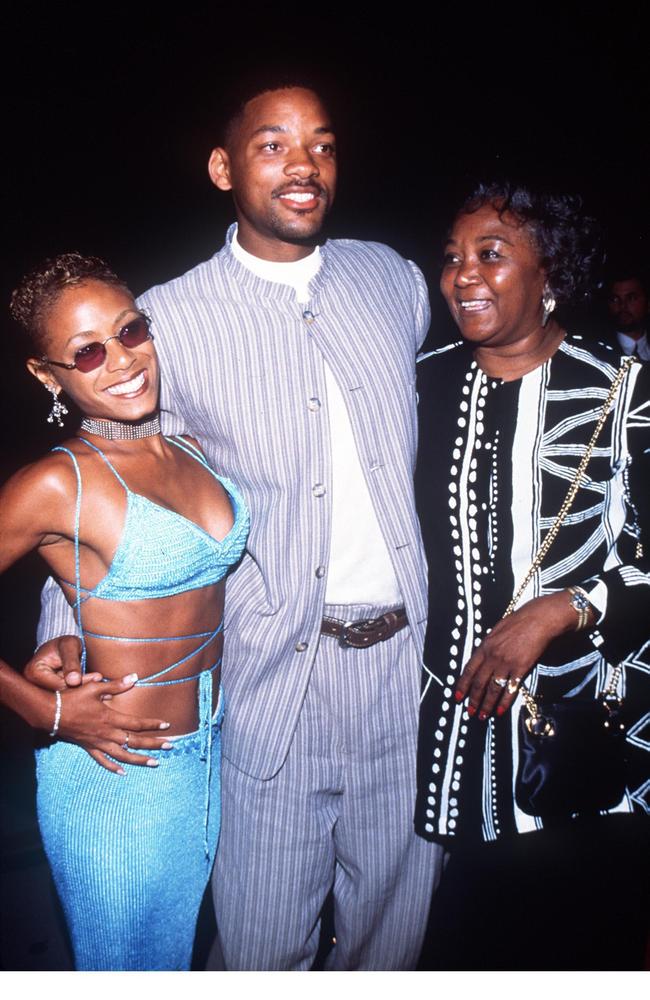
[(345, 631), (368, 631)]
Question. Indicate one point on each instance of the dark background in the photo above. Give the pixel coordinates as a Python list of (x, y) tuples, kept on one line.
[(108, 125)]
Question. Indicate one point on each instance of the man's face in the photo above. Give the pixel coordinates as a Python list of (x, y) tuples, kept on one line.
[(628, 306), (281, 168)]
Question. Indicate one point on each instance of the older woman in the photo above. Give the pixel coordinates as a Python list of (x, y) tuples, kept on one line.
[(140, 533), (499, 448)]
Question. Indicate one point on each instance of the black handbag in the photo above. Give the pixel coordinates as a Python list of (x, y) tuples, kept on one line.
[(571, 758), (571, 753)]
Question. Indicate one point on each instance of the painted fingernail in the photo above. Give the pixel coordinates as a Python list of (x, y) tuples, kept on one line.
[(164, 725), (458, 695), (152, 762), (130, 678), (471, 710), (166, 746), (483, 716), (501, 710), (121, 772)]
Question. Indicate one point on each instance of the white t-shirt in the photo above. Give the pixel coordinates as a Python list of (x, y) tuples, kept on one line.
[(360, 570)]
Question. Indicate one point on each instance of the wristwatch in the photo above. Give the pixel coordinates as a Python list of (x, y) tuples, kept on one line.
[(580, 603)]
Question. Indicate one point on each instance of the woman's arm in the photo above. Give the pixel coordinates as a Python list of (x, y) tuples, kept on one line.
[(619, 619), (35, 506)]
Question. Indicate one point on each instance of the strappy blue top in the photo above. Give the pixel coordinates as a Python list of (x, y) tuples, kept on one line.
[(160, 554)]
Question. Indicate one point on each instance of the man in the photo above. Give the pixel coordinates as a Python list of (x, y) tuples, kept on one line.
[(294, 367), (627, 302)]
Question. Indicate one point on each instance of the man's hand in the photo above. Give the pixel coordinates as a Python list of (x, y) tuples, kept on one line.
[(86, 718), (57, 664), (493, 674)]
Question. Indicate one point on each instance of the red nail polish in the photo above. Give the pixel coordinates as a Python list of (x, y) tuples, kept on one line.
[(500, 710), (483, 716), (471, 710), (458, 695)]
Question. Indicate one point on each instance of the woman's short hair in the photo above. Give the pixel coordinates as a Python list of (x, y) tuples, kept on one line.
[(568, 241), (40, 288)]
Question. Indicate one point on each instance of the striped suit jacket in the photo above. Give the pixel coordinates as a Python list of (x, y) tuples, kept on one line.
[(243, 372)]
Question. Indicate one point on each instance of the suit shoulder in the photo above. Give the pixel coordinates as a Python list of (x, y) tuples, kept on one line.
[(369, 252), (191, 284)]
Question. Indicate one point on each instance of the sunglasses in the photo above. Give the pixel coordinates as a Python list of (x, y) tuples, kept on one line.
[(137, 331)]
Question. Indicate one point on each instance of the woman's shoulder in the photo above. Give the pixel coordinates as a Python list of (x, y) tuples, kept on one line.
[(52, 473), (40, 494), (442, 362), (590, 351)]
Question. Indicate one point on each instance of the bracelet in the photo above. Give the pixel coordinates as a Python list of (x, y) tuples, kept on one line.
[(57, 714), (580, 604)]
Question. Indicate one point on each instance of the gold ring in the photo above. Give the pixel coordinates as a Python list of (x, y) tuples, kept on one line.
[(500, 681), (513, 685), (125, 745)]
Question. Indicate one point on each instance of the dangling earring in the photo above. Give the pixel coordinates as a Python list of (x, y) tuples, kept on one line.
[(548, 303), (58, 410)]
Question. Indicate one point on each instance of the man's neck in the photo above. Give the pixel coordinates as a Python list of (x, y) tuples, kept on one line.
[(270, 247), (265, 265)]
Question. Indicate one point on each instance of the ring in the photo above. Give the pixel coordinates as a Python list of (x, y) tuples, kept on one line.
[(125, 745), (500, 681), (513, 685)]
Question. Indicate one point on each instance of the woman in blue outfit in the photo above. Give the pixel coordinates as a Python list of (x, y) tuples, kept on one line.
[(140, 533)]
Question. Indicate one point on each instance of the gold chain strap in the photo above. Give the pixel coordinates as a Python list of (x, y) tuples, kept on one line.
[(530, 702)]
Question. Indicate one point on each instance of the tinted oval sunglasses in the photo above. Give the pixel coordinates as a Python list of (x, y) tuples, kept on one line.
[(137, 331)]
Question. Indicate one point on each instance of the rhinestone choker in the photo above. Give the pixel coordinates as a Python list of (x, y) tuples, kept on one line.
[(119, 430)]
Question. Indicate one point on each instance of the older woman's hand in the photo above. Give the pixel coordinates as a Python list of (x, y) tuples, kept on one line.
[(492, 676)]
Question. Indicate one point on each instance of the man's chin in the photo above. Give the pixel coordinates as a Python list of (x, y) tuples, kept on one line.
[(298, 240), (303, 233)]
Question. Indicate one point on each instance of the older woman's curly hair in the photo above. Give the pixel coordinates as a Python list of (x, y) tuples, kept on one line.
[(568, 241), (41, 287)]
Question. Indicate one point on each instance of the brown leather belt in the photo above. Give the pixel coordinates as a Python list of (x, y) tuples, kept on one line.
[(366, 632)]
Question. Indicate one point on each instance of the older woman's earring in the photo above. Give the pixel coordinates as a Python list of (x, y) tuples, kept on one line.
[(548, 303), (58, 410)]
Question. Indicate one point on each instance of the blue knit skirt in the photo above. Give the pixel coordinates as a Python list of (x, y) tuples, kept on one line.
[(131, 856)]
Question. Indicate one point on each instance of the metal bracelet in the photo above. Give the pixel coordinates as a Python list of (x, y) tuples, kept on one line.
[(57, 714)]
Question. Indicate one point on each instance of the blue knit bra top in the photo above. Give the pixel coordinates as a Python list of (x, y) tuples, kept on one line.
[(160, 554)]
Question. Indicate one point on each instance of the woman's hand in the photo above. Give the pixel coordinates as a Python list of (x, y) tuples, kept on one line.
[(492, 676)]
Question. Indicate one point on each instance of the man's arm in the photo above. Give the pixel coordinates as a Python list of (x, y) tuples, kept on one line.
[(57, 617), (57, 655), (421, 307)]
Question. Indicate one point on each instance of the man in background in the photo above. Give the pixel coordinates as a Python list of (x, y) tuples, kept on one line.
[(627, 303)]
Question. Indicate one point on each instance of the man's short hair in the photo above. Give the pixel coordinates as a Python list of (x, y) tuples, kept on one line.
[(626, 270), (233, 99)]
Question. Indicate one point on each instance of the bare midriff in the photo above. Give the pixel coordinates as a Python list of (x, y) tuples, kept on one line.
[(188, 614)]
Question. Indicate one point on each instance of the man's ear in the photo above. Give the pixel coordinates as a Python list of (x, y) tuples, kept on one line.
[(44, 374), (219, 169)]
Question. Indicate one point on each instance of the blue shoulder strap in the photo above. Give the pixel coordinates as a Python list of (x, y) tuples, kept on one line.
[(189, 449), (108, 463), (77, 572)]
